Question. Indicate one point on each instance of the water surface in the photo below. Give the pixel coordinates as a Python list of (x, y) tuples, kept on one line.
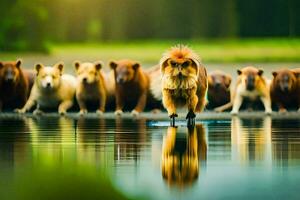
[(217, 159)]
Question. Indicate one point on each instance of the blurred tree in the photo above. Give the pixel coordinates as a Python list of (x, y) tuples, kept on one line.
[(30, 24), (22, 25), (263, 18)]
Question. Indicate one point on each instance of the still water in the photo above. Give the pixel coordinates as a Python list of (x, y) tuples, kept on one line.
[(217, 159)]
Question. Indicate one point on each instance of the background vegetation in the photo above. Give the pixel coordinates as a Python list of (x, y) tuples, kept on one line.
[(34, 24)]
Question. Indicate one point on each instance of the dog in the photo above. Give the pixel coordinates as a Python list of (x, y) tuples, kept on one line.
[(184, 82), (91, 86), (252, 85), (51, 89)]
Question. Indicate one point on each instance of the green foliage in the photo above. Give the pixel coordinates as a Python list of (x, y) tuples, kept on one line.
[(23, 26), (57, 183), (33, 24)]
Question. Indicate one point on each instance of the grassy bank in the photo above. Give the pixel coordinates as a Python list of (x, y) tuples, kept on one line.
[(211, 51), (249, 50)]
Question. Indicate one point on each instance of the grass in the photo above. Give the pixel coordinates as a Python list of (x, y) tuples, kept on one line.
[(149, 51), (248, 50)]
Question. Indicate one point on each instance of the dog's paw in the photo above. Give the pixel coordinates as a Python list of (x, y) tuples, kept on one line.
[(190, 115), (20, 111), (118, 112), (282, 110), (135, 113), (268, 112), (233, 112), (82, 112), (99, 112), (173, 115), (38, 112)]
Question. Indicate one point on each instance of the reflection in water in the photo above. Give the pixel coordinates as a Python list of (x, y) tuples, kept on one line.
[(286, 141), (182, 148), (251, 139), (129, 138), (14, 141), (91, 140), (255, 154)]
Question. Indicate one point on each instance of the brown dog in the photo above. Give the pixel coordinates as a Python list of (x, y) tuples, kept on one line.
[(131, 86), (14, 85), (91, 87), (184, 82), (285, 89), (218, 89), (251, 85)]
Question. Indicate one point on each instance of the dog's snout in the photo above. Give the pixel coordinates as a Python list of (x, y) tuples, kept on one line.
[(84, 79), (120, 80), (48, 84), (9, 78), (217, 84)]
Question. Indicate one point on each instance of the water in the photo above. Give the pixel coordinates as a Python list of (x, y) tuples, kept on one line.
[(217, 159)]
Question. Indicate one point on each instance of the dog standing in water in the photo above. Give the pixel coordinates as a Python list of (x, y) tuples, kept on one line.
[(184, 82)]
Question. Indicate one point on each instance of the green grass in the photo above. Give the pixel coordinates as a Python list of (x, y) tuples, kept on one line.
[(149, 51), (248, 50)]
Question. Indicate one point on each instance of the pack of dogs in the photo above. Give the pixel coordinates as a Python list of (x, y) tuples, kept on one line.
[(180, 80)]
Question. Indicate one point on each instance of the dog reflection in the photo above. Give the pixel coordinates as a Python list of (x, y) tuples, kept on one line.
[(130, 137), (52, 138), (182, 149), (13, 141), (251, 139), (91, 139)]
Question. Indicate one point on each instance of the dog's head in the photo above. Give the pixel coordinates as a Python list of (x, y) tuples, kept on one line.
[(219, 80), (10, 71), (87, 73), (125, 70), (180, 62), (49, 77), (286, 79), (250, 76)]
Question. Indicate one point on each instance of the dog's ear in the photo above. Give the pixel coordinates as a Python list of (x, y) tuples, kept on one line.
[(113, 65), (98, 65), (1, 65), (260, 72), (59, 66), (18, 63), (209, 80), (239, 72), (135, 66), (38, 68), (76, 65), (297, 74), (227, 81), (274, 74)]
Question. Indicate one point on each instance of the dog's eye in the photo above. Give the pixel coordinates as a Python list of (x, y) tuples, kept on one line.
[(185, 64), (53, 77), (173, 63)]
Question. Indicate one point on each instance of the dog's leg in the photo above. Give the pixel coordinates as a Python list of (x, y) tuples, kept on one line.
[(140, 105), (192, 103), (267, 103), (64, 106), (238, 100)]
